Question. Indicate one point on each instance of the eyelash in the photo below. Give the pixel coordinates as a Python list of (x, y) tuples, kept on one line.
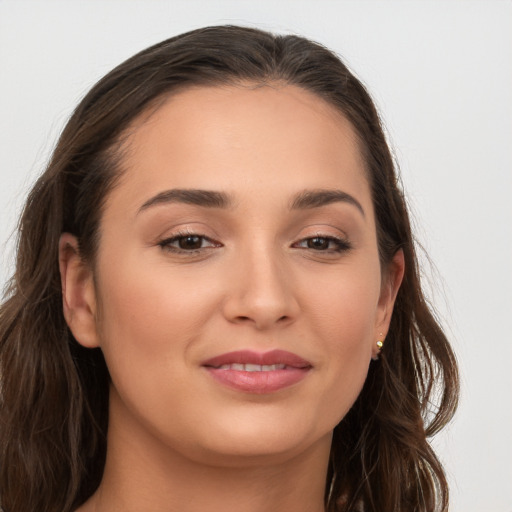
[(340, 244), (166, 243)]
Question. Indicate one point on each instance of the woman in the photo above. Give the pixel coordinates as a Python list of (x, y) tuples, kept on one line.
[(216, 303)]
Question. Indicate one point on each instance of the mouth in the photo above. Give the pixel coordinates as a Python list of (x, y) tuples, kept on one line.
[(252, 367), (256, 372)]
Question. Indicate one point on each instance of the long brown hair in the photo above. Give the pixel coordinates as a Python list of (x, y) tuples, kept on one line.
[(54, 393)]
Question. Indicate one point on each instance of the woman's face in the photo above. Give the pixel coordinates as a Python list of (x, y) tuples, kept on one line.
[(237, 292)]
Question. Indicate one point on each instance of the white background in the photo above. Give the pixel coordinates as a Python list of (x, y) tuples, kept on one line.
[(441, 73)]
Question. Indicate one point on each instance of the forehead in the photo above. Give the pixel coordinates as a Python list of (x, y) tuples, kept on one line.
[(248, 138)]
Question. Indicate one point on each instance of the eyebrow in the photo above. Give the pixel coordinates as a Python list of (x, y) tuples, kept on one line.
[(306, 199), (206, 198), (323, 197)]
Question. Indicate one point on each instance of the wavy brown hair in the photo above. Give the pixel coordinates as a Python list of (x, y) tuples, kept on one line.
[(54, 393)]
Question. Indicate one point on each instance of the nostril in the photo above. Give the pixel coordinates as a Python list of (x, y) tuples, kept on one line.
[(244, 319)]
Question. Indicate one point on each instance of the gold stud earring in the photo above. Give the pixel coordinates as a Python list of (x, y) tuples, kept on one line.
[(380, 344)]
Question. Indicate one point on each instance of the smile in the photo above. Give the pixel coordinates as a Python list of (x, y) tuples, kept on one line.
[(252, 367), (258, 373)]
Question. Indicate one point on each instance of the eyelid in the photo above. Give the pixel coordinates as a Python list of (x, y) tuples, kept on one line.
[(342, 244), (166, 242)]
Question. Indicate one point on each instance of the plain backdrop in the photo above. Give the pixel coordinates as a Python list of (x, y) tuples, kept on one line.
[(441, 74)]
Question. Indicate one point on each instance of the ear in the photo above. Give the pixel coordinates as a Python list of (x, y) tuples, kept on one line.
[(391, 281), (78, 293)]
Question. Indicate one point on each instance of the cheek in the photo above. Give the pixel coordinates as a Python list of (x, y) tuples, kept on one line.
[(344, 306), (344, 313), (149, 326), (148, 320), (348, 334)]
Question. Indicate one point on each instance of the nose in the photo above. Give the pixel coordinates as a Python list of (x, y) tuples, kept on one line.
[(261, 291)]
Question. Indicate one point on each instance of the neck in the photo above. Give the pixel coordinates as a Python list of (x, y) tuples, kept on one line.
[(142, 476)]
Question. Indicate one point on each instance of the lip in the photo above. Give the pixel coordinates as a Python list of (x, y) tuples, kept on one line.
[(283, 369)]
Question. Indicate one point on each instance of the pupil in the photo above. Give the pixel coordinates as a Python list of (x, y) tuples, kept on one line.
[(190, 242), (318, 243)]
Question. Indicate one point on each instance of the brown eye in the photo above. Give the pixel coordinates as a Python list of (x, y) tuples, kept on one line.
[(191, 242), (318, 243), (327, 244), (188, 243)]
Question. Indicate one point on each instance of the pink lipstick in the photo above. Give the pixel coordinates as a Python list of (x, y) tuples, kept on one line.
[(256, 372)]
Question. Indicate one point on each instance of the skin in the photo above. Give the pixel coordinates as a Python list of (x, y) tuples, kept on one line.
[(178, 440)]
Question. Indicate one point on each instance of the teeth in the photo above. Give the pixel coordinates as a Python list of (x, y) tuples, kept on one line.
[(252, 367)]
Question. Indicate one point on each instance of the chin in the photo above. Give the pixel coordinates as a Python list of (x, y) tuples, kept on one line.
[(249, 438)]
